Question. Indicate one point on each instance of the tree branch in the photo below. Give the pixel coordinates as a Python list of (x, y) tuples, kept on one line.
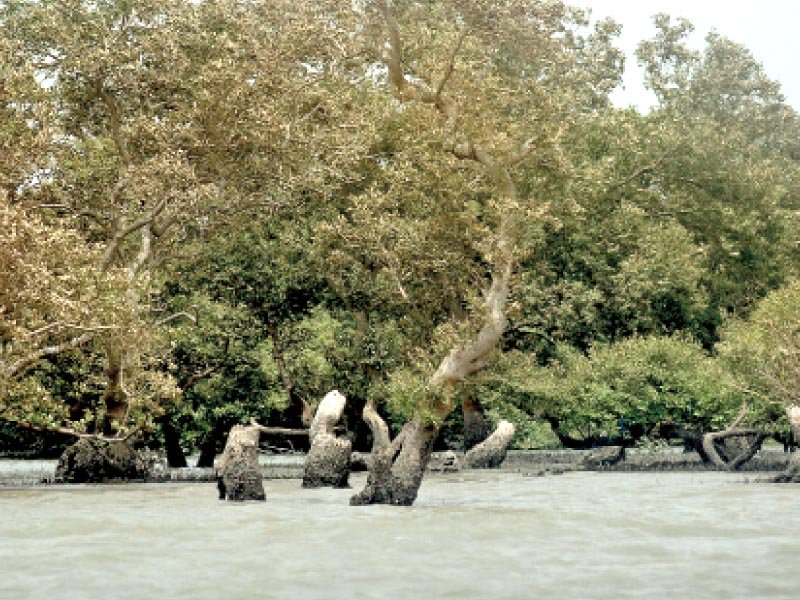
[(176, 316), (277, 430), (143, 221), (451, 64), (77, 434), (24, 363)]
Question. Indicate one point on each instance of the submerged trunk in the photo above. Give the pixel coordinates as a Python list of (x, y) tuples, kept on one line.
[(97, 460), (396, 468), (328, 460), (395, 477), (238, 473), (491, 453)]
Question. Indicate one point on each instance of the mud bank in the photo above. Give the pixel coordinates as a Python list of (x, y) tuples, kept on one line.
[(15, 473), (671, 459)]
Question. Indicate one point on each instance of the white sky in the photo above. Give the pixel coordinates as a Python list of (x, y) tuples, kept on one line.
[(768, 28)]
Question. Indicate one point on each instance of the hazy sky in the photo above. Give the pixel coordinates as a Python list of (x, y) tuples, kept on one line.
[(767, 27)]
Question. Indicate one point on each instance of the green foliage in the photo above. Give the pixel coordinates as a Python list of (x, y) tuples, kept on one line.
[(242, 220), (763, 355), (639, 383)]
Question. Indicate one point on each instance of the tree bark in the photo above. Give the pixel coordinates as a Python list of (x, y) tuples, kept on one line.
[(238, 472), (491, 453), (396, 480), (328, 460)]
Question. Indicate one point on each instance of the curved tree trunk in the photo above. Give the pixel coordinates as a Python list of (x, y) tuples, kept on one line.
[(491, 453), (396, 468), (733, 447), (238, 473), (328, 460)]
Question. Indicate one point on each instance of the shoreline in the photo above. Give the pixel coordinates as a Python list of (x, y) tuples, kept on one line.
[(31, 473)]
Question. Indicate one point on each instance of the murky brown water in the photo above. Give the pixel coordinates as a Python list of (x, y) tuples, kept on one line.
[(473, 535)]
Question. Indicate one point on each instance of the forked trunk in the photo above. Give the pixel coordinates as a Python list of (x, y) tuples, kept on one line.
[(238, 473), (328, 460), (491, 453), (396, 480), (733, 447)]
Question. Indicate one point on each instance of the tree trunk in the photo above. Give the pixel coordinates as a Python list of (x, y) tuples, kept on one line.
[(396, 468), (792, 473), (491, 452), (114, 397), (209, 445), (731, 448), (172, 443), (397, 480), (328, 460), (476, 429), (238, 472)]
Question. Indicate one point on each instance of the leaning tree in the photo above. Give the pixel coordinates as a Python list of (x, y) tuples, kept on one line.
[(481, 93)]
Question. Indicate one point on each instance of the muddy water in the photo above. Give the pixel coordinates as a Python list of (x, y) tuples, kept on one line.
[(495, 535)]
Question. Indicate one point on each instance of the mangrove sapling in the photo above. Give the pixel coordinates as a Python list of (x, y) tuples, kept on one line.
[(328, 459)]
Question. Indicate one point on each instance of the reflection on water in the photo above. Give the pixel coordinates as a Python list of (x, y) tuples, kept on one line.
[(471, 535)]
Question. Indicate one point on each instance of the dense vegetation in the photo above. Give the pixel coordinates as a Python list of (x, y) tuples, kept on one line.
[(220, 210)]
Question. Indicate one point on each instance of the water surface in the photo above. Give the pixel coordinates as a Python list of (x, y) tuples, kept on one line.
[(471, 535)]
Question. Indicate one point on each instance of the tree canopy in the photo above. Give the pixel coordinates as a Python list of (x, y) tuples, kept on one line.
[(218, 210)]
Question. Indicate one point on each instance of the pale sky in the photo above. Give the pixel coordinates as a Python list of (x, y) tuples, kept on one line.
[(768, 28)]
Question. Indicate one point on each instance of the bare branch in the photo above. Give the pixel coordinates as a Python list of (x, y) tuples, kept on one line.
[(24, 363), (175, 316), (277, 430), (199, 376), (395, 59), (710, 440), (115, 121), (145, 251), (77, 434), (451, 64), (378, 427)]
